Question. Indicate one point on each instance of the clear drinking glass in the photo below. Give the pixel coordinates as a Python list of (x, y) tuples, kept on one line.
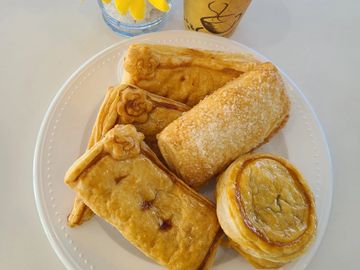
[(127, 25)]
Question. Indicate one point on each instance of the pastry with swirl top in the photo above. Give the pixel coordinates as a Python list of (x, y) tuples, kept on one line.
[(124, 183), (232, 121), (182, 74), (127, 104), (267, 210)]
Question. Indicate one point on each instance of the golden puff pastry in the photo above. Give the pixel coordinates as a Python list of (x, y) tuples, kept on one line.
[(127, 104), (182, 74), (266, 208), (123, 182), (232, 121)]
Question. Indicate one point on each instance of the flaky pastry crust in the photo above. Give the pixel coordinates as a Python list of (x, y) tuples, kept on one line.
[(124, 183), (127, 104), (237, 118), (266, 208), (182, 74)]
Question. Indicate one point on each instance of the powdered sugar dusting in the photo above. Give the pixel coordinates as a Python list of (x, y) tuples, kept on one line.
[(232, 121)]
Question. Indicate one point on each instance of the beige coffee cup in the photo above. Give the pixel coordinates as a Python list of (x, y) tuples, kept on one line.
[(218, 17)]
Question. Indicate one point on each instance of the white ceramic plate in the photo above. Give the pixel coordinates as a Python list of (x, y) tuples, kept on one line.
[(63, 137)]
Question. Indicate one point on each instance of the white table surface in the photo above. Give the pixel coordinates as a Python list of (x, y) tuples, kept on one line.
[(42, 42)]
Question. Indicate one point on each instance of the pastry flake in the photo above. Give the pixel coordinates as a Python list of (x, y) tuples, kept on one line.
[(266, 208), (127, 104), (232, 121), (149, 205), (182, 74)]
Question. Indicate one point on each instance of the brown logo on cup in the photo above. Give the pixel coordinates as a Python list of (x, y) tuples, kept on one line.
[(219, 23)]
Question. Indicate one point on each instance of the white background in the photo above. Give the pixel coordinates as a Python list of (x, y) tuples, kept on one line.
[(317, 43)]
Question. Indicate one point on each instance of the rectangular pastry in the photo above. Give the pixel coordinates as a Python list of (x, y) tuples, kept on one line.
[(182, 74), (127, 104), (232, 121), (123, 182)]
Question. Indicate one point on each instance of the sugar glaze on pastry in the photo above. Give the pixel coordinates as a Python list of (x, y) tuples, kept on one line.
[(266, 208), (124, 183), (232, 121)]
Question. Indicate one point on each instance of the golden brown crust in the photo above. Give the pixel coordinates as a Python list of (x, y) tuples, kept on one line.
[(182, 74), (232, 121), (79, 213), (134, 106), (256, 262), (266, 208), (209, 258), (127, 104), (127, 185)]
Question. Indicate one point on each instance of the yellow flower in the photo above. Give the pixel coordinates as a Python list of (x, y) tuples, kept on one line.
[(122, 6), (137, 7), (161, 5)]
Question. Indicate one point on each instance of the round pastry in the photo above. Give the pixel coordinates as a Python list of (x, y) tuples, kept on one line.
[(266, 208)]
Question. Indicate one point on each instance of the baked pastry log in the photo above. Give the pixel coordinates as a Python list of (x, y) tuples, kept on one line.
[(127, 104), (266, 208), (232, 121), (182, 74), (123, 182)]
